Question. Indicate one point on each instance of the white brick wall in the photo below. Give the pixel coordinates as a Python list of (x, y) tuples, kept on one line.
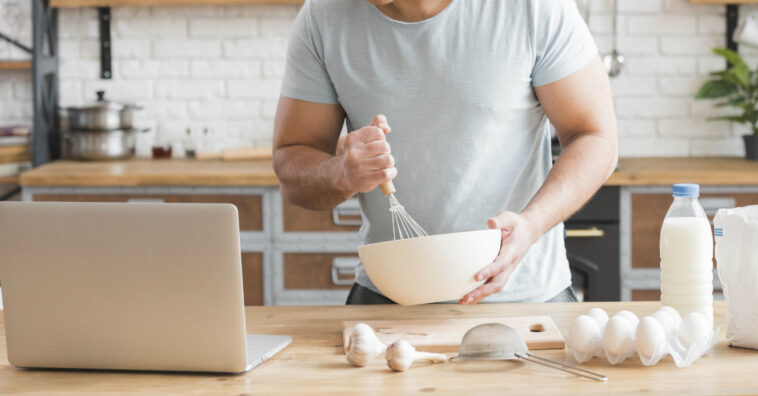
[(221, 67), (667, 45)]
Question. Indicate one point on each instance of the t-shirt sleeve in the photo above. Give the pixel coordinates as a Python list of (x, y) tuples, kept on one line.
[(561, 40), (305, 75)]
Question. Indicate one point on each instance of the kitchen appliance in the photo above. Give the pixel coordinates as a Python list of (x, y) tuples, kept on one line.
[(432, 268), (593, 247), (101, 115), (126, 286), (496, 341), (444, 335)]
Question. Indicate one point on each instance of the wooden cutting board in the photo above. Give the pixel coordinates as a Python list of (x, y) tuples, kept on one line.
[(444, 335)]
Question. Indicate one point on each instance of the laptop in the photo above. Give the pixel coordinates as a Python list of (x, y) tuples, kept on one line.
[(126, 286)]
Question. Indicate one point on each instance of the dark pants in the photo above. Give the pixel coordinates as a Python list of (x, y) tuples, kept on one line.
[(360, 295)]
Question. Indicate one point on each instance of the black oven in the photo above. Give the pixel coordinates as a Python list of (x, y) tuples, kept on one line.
[(592, 247)]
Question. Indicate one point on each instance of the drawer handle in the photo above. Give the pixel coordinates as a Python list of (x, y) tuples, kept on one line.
[(592, 232), (350, 208), (145, 200), (344, 266)]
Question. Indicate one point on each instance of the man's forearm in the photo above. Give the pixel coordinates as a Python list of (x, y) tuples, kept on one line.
[(309, 177), (584, 165)]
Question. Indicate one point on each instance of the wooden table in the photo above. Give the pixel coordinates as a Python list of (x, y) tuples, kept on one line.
[(315, 364), (178, 172)]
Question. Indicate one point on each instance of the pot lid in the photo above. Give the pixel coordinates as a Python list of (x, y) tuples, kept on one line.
[(101, 104)]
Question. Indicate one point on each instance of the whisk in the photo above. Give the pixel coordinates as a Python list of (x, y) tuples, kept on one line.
[(403, 225)]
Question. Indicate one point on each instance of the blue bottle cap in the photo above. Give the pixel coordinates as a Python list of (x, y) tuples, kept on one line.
[(686, 190)]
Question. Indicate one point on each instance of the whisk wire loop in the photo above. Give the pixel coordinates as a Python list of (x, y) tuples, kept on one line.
[(403, 225)]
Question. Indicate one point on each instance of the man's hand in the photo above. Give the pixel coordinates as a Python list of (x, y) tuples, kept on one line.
[(517, 236), (367, 161)]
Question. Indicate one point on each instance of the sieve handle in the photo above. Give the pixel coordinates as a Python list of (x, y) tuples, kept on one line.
[(561, 366), (387, 188)]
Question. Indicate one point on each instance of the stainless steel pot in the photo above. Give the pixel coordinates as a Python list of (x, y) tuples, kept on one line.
[(100, 145), (101, 115)]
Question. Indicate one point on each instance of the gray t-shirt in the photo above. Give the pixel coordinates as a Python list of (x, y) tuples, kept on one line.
[(469, 137)]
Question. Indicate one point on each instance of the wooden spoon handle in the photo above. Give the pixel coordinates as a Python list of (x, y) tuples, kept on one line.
[(387, 188)]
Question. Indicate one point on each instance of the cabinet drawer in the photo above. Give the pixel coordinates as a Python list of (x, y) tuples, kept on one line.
[(648, 212), (249, 206), (346, 217), (252, 278), (319, 270)]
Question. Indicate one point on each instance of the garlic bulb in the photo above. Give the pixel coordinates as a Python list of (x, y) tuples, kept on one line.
[(401, 354), (363, 346)]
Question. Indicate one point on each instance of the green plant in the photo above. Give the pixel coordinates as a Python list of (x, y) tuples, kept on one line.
[(738, 85)]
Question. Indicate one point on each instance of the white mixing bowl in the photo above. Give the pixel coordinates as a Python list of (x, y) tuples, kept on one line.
[(430, 269)]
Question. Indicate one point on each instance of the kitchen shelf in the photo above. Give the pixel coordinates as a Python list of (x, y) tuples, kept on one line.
[(118, 3), (15, 65)]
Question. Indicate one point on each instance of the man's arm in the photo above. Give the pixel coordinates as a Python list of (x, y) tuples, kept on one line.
[(580, 107), (305, 140)]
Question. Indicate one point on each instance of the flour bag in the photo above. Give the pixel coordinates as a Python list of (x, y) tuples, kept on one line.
[(736, 232)]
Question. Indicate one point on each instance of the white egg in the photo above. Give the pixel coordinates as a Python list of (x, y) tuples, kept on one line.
[(601, 318), (694, 327), (615, 335), (666, 322), (673, 314), (648, 336), (582, 332), (630, 318)]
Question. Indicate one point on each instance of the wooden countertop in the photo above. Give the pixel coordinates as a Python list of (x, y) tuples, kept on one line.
[(315, 364), (153, 173), (632, 171), (668, 171)]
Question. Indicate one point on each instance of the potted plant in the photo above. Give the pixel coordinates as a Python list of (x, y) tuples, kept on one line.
[(738, 87)]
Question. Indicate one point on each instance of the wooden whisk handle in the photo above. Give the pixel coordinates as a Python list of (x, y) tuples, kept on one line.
[(387, 188)]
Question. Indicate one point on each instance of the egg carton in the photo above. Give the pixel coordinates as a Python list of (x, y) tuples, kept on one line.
[(652, 338)]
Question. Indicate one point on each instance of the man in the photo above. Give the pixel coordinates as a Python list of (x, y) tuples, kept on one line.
[(468, 87)]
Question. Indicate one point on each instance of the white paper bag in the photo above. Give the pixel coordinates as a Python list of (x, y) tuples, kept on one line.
[(736, 233)]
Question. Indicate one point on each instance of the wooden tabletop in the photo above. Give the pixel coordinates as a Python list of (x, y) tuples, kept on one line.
[(315, 363), (632, 171)]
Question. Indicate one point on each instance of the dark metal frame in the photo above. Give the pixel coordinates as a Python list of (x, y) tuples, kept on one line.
[(44, 51), (46, 138), (732, 16), (104, 18)]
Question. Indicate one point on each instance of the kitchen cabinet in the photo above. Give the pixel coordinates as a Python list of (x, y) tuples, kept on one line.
[(318, 270), (252, 278), (343, 218), (295, 256), (314, 258)]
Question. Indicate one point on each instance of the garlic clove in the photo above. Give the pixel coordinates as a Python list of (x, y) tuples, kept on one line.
[(363, 346), (400, 355)]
